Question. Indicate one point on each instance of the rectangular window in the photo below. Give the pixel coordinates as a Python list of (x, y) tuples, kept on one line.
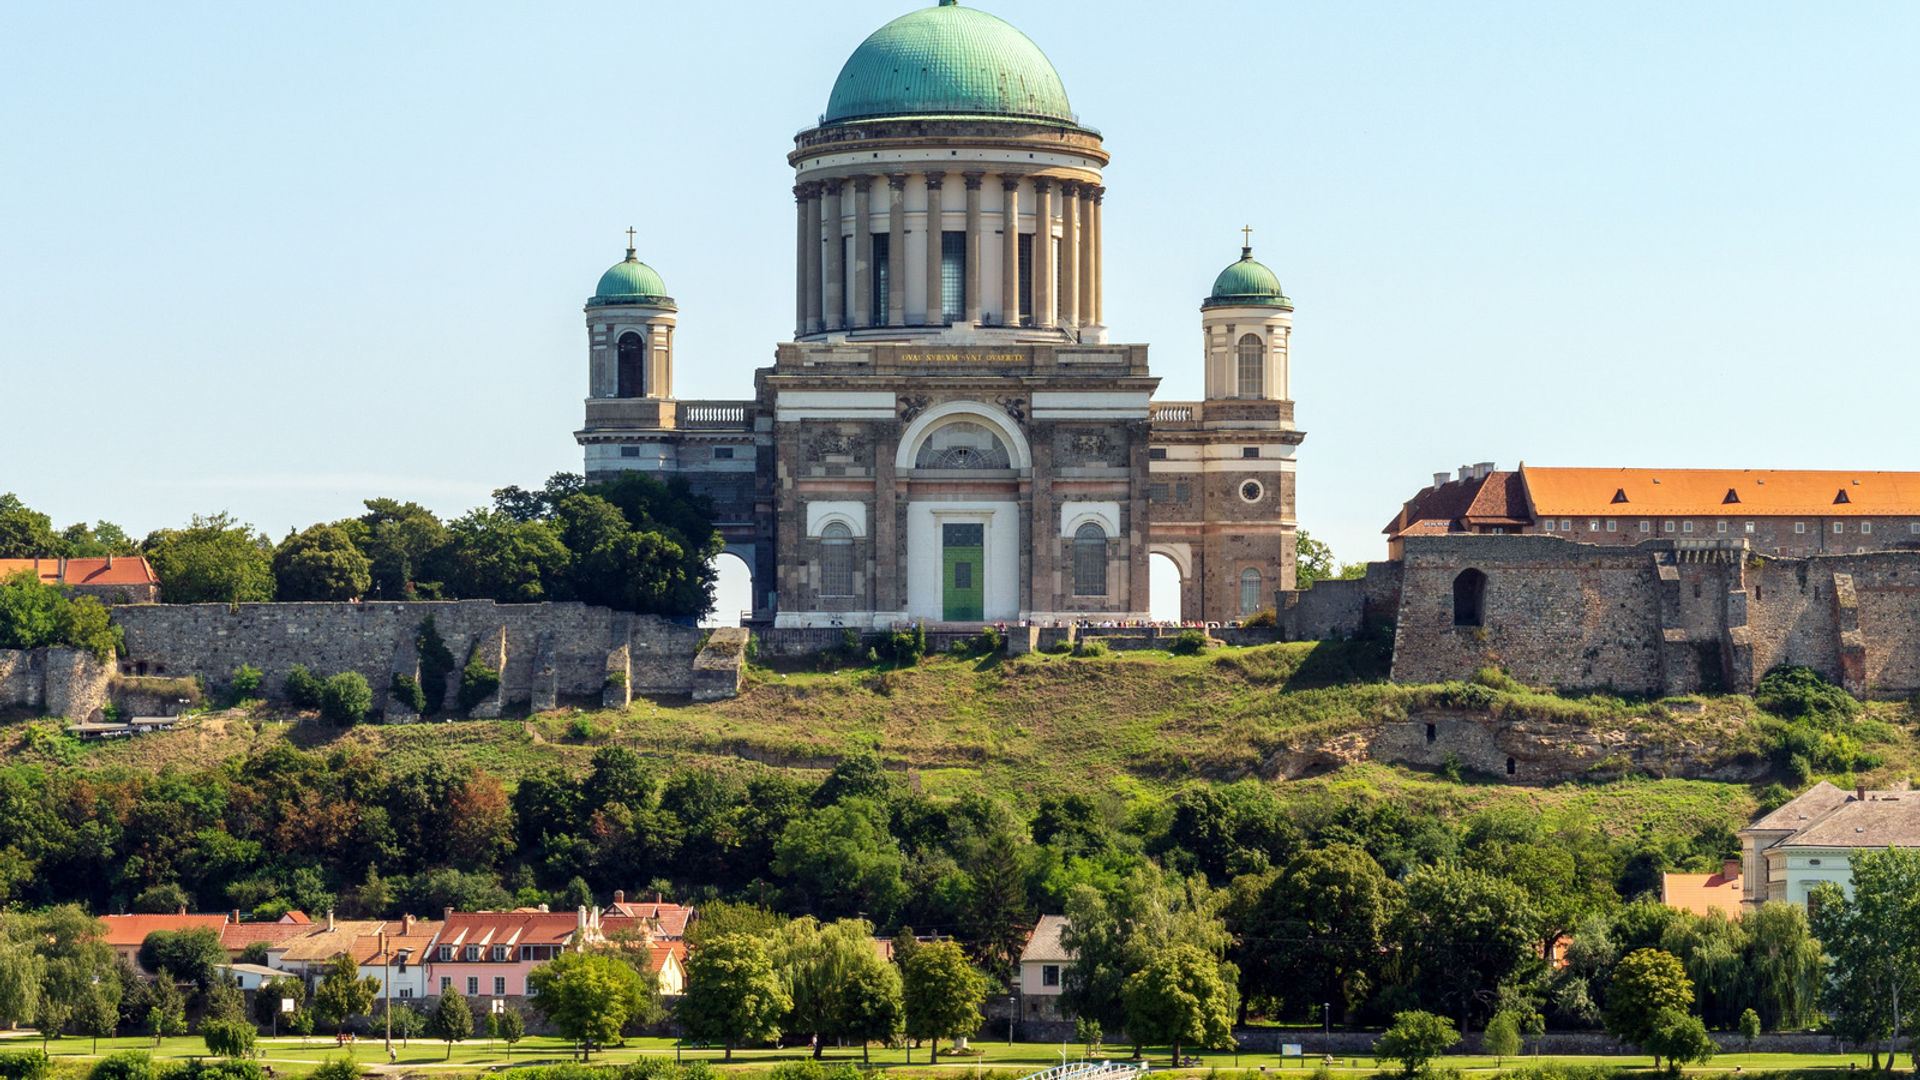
[(406, 993), (1799, 526), (1686, 526), (1866, 527), (1913, 526), (499, 986), (500, 954), (1613, 525), (1839, 526), (1025, 247), (446, 954), (1050, 975), (1249, 451), (1566, 524), (1749, 528), (629, 451), (473, 986), (1060, 312), (1157, 493), (1157, 453), (953, 277), (1719, 526), (1181, 492), (723, 453), (1668, 527), (882, 275), (446, 984), (1593, 524), (1547, 525), (1646, 526)]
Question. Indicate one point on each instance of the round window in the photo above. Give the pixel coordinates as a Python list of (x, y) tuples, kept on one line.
[(1251, 491)]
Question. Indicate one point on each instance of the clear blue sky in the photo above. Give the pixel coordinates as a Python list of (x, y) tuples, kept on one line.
[(277, 258)]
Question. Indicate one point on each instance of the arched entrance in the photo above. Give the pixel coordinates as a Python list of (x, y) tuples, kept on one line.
[(1169, 572), (732, 590)]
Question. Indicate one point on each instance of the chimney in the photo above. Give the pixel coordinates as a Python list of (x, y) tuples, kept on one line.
[(63, 570), (543, 909), (1730, 869), (1466, 472), (109, 560), (1439, 479), (1483, 469), (406, 925), (446, 913), (658, 897), (183, 909), (581, 917), (329, 918), (619, 896), (1860, 792), (236, 915)]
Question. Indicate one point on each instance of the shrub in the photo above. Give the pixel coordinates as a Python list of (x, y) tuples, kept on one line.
[(406, 690), (582, 728), (342, 1068), (1415, 1038), (245, 682), (1263, 617), (227, 1038), (302, 687), (25, 1065), (1060, 648), (436, 663), (477, 683), (1801, 693), (125, 1065), (223, 1069), (616, 679), (987, 642), (1189, 643), (1494, 679), (905, 647), (345, 698)]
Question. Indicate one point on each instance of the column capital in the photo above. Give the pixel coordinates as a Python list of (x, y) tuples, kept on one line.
[(833, 187), (1009, 183), (862, 183), (1041, 185), (972, 179), (1099, 192), (1070, 189), (897, 181), (802, 192), (935, 180)]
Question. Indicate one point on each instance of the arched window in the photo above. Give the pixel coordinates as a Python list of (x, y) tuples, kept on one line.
[(836, 560), (1090, 560), (633, 366), (1469, 598), (1253, 366), (1249, 591), (963, 445)]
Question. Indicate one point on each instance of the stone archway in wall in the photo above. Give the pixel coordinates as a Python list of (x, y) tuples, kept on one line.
[(965, 553), (1171, 583), (733, 588)]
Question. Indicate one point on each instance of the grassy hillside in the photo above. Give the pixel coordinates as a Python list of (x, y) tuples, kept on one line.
[(1136, 725)]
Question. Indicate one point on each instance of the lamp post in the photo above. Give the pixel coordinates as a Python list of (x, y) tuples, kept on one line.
[(386, 987), (1326, 1022), (1013, 1013)]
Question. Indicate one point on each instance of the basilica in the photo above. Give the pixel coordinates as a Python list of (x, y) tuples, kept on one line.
[(950, 436)]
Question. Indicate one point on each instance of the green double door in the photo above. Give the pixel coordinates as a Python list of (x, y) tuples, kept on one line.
[(962, 557)]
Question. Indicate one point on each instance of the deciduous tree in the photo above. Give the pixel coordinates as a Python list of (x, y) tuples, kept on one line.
[(941, 994), (452, 1020), (343, 992), (1182, 997), (215, 559), (589, 996), (1415, 1038), (1647, 985), (732, 994), (321, 563)]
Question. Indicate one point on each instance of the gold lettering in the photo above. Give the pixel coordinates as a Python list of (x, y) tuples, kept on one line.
[(963, 358)]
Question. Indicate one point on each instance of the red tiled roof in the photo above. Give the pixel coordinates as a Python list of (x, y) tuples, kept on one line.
[(1700, 893), (125, 570), (671, 919), (237, 936), (1502, 500), (657, 954), (1730, 492), (295, 917), (1496, 499), (508, 927), (123, 930)]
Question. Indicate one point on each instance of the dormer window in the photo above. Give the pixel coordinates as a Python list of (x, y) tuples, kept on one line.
[(446, 954), (472, 954), (501, 953)]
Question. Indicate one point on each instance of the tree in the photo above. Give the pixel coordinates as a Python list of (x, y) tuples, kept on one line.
[(492, 557), (345, 698), (406, 1022), (871, 1001), (223, 1000), (99, 1012), (1785, 965), (1322, 925), (342, 992), (998, 917), (27, 534), (228, 1038), (589, 996), (166, 1008), (33, 614), (21, 973), (321, 563), (941, 994), (1313, 560), (1181, 998), (837, 985), (508, 1026), (1501, 1037), (1415, 1038), (213, 560), (1750, 1028), (842, 859), (301, 1023), (732, 993), (1465, 933), (452, 1020), (1873, 940), (1680, 1037), (194, 954), (266, 1000), (402, 543), (1647, 984)]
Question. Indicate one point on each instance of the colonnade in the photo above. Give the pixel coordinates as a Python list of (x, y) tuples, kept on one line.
[(1070, 299)]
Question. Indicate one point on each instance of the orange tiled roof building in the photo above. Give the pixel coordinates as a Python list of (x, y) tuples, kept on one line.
[(111, 579)]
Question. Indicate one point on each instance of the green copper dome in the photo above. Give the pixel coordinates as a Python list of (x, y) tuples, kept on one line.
[(631, 282), (1247, 284), (948, 60)]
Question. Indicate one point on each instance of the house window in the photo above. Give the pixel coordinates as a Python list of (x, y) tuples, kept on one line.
[(882, 275), (1252, 368), (1646, 526), (1566, 524), (953, 276), (1749, 528), (473, 986), (1050, 975), (499, 986), (1719, 526), (1547, 525), (446, 984), (446, 954), (1667, 527), (1613, 525), (1913, 526), (1090, 560), (723, 453), (1157, 453), (500, 954), (1866, 527), (406, 993), (1799, 526), (1249, 591), (629, 451), (836, 560), (472, 955), (1469, 598), (632, 371), (1839, 526), (1686, 526), (1249, 451)]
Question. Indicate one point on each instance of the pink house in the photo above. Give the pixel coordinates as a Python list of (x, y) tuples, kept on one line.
[(488, 954)]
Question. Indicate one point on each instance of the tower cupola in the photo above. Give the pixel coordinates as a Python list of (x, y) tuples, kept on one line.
[(1246, 321)]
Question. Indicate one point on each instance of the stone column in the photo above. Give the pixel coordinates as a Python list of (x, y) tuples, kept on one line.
[(974, 246), (1042, 251), (1099, 254), (1087, 259), (811, 257), (936, 305), (1010, 251), (1069, 254), (897, 250), (800, 260), (832, 296), (862, 251)]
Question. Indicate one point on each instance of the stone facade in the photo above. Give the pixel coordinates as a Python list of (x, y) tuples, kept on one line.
[(58, 682), (541, 651)]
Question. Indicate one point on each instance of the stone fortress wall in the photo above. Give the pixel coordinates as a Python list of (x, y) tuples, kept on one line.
[(1660, 617)]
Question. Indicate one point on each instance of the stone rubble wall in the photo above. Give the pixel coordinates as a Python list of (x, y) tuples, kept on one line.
[(542, 651), (67, 683)]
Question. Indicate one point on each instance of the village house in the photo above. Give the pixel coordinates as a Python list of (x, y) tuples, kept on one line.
[(397, 958), (1043, 963), (491, 953), (126, 933), (306, 956), (239, 936), (110, 579), (1811, 838), (1700, 893), (669, 921)]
